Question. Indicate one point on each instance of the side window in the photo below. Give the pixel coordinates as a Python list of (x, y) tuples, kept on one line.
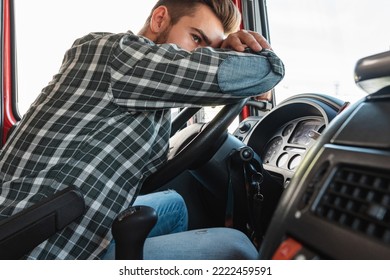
[(45, 29), (321, 41)]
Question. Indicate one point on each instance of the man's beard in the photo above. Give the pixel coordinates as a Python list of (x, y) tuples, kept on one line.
[(163, 37)]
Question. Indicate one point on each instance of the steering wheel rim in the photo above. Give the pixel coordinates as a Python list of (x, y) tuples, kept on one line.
[(187, 156)]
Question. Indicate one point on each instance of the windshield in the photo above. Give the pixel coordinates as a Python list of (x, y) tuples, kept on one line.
[(321, 40)]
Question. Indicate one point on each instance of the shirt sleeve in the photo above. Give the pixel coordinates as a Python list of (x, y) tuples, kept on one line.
[(145, 76)]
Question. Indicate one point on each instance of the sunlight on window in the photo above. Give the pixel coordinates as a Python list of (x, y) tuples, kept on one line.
[(321, 41)]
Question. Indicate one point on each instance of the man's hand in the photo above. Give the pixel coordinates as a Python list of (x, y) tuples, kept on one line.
[(243, 39)]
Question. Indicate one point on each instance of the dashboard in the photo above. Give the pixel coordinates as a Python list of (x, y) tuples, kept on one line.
[(290, 143), (284, 136), (337, 204)]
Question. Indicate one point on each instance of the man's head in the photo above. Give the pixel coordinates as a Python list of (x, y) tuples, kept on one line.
[(191, 23)]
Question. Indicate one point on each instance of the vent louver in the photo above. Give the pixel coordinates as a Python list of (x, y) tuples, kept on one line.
[(358, 199)]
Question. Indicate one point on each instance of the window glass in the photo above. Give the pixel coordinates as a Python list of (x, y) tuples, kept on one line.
[(45, 29), (320, 42)]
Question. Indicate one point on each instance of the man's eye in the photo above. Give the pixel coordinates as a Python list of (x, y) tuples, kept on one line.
[(197, 39)]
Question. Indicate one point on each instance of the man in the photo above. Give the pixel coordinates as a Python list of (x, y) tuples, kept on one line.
[(103, 122)]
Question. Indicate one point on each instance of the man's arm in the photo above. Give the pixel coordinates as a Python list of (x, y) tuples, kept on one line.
[(146, 76)]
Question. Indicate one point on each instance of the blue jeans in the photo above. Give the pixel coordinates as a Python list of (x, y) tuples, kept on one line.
[(169, 239), (201, 244), (171, 211)]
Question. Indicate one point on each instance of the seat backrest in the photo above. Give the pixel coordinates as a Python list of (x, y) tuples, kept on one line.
[(25, 230)]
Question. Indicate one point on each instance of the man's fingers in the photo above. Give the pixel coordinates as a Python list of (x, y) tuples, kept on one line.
[(233, 42), (261, 40), (240, 40)]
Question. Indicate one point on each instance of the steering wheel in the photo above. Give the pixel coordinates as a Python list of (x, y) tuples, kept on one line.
[(200, 145)]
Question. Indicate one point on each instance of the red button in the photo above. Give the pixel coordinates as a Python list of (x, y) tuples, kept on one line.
[(287, 250)]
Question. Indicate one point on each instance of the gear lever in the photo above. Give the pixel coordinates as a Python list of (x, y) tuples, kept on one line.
[(130, 230)]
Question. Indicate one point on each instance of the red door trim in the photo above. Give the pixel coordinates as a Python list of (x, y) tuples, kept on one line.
[(9, 119)]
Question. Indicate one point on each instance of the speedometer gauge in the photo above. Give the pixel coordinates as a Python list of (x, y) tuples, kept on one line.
[(272, 148)]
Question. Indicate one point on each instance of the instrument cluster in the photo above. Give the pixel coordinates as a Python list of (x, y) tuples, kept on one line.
[(287, 147)]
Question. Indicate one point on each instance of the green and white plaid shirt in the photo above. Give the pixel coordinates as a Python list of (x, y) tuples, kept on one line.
[(103, 125)]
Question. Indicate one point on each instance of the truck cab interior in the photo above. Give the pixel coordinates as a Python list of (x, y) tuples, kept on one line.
[(303, 171)]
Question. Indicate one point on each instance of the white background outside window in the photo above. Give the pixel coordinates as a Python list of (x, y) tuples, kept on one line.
[(45, 29)]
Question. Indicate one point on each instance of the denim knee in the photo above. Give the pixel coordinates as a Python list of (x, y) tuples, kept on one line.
[(171, 211)]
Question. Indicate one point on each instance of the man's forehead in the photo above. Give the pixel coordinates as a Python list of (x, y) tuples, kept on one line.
[(204, 18)]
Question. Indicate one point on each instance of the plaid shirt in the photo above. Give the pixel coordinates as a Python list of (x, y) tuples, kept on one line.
[(103, 125)]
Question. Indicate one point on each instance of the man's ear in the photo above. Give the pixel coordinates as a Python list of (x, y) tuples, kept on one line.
[(160, 20)]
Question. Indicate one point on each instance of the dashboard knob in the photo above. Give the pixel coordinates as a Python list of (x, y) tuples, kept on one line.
[(244, 127), (246, 153)]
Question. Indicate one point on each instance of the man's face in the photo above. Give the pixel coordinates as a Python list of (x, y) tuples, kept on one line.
[(201, 29)]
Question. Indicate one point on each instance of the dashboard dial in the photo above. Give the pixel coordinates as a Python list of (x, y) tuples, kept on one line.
[(288, 129), (272, 148), (282, 160), (294, 162)]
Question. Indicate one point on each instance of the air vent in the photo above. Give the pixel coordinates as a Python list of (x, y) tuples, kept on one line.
[(358, 199), (313, 185)]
